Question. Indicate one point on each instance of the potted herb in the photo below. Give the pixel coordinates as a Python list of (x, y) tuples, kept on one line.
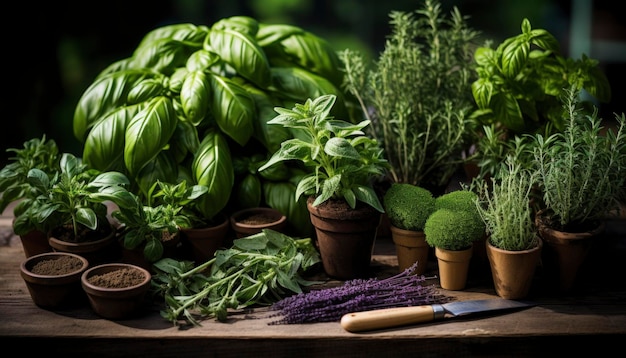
[(36, 153), (581, 173), (344, 165), (513, 245), (191, 97), (452, 230), (518, 91), (408, 206), (74, 206), (155, 224), (417, 94)]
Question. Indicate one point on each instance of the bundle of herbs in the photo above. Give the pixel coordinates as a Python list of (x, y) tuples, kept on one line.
[(418, 94), (330, 304), (259, 269)]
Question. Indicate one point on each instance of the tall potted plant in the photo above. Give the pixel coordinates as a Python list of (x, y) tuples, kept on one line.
[(344, 165), (581, 174), (408, 206), (513, 244), (417, 94)]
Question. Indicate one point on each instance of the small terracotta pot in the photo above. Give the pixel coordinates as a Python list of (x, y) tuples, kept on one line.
[(275, 221), (203, 242), (54, 290), (345, 238), (96, 252), (453, 267), (513, 271), (34, 243), (116, 302), (411, 247)]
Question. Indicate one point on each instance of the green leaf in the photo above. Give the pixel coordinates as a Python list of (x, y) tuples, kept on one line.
[(507, 110), (514, 57), (104, 146), (104, 95), (162, 168), (195, 95), (87, 217), (242, 52), (212, 167), (148, 132), (341, 147), (233, 109)]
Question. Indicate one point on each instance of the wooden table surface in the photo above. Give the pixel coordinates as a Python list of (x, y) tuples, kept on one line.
[(590, 318)]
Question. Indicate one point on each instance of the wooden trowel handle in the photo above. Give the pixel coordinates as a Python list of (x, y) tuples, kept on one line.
[(387, 317)]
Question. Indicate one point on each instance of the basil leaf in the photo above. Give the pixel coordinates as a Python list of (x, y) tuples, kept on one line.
[(213, 167), (233, 109), (148, 132), (242, 52), (103, 96), (194, 96)]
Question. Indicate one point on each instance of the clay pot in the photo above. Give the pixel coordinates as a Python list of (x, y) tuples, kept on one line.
[(119, 290), (96, 252), (453, 267), (53, 279), (203, 242), (345, 237), (411, 247), (565, 252), (34, 243), (251, 221), (513, 271)]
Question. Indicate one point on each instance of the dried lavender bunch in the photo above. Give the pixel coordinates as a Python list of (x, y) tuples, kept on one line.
[(330, 304)]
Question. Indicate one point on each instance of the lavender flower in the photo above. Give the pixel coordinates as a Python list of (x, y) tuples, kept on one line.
[(330, 304)]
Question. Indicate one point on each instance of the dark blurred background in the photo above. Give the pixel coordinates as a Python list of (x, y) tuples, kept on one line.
[(53, 50)]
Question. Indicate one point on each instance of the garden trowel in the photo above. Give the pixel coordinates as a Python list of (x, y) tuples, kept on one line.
[(400, 316)]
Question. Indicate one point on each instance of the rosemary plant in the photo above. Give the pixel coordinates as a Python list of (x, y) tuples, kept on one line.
[(505, 206), (418, 95), (581, 170)]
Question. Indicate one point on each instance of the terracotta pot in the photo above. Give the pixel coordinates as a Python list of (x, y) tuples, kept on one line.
[(565, 252), (203, 242), (513, 271), (345, 237), (119, 291), (251, 221), (96, 252), (453, 267), (57, 284), (35, 243), (411, 247), (171, 249)]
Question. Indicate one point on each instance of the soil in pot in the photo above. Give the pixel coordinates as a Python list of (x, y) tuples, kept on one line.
[(251, 221), (53, 279), (117, 290)]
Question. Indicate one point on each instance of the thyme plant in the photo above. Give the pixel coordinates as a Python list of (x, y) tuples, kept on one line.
[(505, 206), (417, 94)]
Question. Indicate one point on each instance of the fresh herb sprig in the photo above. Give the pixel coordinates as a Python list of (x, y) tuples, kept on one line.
[(330, 304), (258, 270)]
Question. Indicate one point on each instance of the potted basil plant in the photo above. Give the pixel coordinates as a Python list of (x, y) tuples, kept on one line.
[(343, 166)]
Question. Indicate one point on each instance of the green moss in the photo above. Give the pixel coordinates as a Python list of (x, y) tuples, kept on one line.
[(458, 200), (408, 206), (452, 230)]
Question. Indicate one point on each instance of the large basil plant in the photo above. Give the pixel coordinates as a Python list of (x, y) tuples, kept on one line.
[(190, 99)]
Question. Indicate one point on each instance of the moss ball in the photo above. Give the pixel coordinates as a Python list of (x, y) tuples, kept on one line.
[(452, 230), (408, 206)]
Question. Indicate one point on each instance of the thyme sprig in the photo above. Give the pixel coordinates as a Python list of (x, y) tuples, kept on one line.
[(258, 270), (330, 304)]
